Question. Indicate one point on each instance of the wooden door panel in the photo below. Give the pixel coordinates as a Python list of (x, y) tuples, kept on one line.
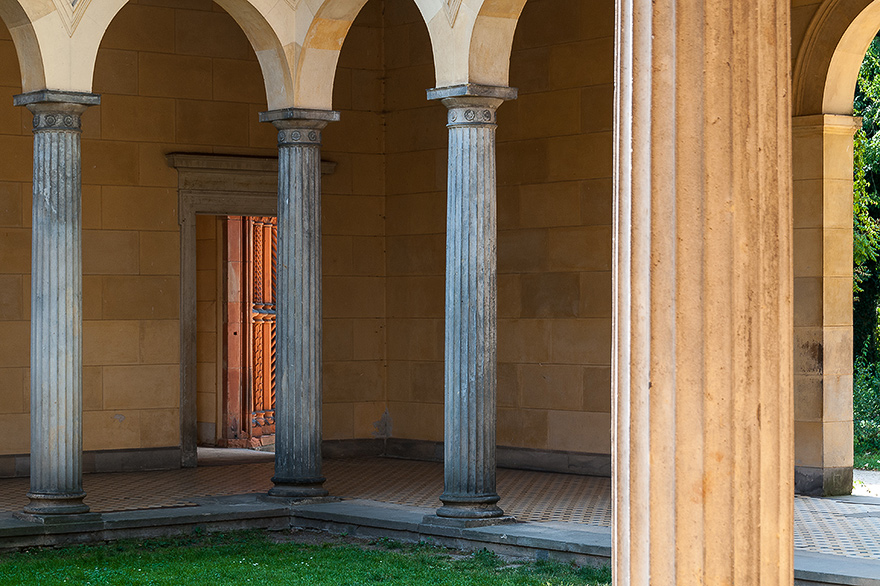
[(263, 250)]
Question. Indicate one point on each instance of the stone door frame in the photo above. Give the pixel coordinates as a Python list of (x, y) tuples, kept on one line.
[(216, 185)]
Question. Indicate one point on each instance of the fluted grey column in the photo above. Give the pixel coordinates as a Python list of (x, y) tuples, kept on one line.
[(471, 302), (56, 304), (299, 333)]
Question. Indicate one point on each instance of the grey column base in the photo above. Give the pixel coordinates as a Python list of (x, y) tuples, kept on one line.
[(299, 500), (470, 507), (811, 481), (305, 488), (56, 504), (83, 521), (463, 523)]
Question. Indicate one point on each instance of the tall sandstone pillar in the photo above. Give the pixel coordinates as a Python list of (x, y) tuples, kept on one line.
[(823, 303), (56, 303), (703, 449), (471, 302), (299, 331)]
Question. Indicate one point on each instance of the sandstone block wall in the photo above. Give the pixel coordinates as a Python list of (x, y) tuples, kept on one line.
[(554, 222), (353, 216), (182, 77)]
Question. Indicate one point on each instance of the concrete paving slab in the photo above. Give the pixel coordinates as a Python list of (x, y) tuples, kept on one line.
[(813, 569)]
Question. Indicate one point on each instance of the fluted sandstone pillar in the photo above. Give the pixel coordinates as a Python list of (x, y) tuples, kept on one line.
[(299, 331), (703, 457), (56, 304), (471, 314)]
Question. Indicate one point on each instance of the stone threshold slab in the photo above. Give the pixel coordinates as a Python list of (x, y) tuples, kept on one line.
[(565, 542), (562, 541), (552, 538), (214, 514)]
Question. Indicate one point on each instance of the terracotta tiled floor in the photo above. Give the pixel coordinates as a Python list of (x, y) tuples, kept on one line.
[(576, 499), (825, 526)]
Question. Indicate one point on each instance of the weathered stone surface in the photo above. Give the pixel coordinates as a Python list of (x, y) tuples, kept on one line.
[(56, 308), (703, 346), (471, 305), (298, 394)]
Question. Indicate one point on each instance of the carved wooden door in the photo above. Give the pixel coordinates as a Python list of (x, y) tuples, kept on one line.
[(262, 242)]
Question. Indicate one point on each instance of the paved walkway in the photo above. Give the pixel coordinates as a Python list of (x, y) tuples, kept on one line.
[(847, 527)]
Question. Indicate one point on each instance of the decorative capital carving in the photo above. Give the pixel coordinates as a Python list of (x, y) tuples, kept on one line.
[(299, 126), (472, 104), (288, 137), (57, 110), (57, 120), (468, 115)]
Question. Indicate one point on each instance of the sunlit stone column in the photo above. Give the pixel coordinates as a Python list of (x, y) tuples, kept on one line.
[(471, 304), (823, 314), (299, 331), (56, 304), (703, 452)]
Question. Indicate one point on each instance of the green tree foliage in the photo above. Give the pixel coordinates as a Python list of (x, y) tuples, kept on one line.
[(866, 209), (866, 262)]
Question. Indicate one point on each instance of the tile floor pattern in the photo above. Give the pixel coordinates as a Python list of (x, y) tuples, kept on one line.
[(829, 526), (825, 526), (576, 499)]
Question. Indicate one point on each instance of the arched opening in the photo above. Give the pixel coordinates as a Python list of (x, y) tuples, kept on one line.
[(554, 242), (353, 238), (15, 267), (826, 71), (866, 275), (20, 31), (554, 209), (173, 79)]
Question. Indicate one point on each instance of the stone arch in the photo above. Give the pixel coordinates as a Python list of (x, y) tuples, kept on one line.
[(66, 42), (270, 31), (831, 53), (321, 44), (30, 59), (824, 79), (492, 40)]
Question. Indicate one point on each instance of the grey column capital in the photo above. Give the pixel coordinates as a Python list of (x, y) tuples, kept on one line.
[(58, 97), (473, 90), (300, 117), (299, 126), (472, 105), (57, 110)]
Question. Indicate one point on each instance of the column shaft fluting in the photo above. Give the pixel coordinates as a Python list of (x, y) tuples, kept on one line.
[(299, 330), (471, 311), (56, 312), (703, 459)]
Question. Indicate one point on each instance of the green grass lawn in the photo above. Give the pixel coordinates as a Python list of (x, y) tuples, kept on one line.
[(258, 557)]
